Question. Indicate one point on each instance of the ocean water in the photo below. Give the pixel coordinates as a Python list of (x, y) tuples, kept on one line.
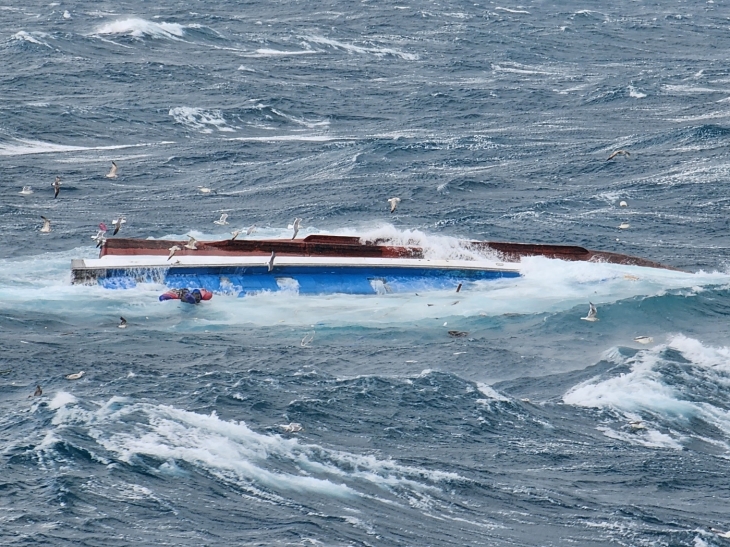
[(490, 121)]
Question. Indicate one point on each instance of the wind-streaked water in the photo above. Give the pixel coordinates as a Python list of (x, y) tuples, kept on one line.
[(490, 121)]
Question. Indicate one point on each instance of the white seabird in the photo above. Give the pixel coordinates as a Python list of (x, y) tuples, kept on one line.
[(292, 427), (592, 313), (251, 229), (192, 243), (75, 376), (644, 339), (624, 225), (46, 225), (270, 263), (307, 340), (235, 234), (112, 174), (221, 221), (26, 191), (297, 222), (117, 223), (393, 204), (618, 153), (99, 237), (205, 190), (173, 250), (56, 187), (623, 204)]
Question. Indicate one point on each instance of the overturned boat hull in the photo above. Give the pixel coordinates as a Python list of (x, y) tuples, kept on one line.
[(314, 265)]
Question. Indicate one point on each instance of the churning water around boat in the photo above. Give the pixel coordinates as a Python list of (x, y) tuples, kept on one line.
[(492, 416)]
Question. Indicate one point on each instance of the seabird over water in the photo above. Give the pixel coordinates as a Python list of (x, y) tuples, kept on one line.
[(292, 427), (99, 238), (26, 191), (624, 226), (297, 222), (270, 263), (235, 234), (221, 221), (623, 204), (56, 187), (618, 153), (644, 339), (393, 204), (192, 243), (75, 376), (117, 223), (251, 229), (592, 313), (122, 323), (46, 225), (206, 190), (173, 250), (112, 174), (307, 340)]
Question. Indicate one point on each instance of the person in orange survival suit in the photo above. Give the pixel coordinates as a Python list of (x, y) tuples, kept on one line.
[(187, 296)]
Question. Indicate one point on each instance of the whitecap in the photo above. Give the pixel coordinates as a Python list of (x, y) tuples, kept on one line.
[(139, 28), (199, 119), (351, 48)]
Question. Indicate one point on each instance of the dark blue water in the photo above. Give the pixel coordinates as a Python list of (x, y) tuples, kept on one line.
[(490, 121)]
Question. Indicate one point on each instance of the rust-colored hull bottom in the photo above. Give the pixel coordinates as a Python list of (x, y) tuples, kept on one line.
[(345, 246)]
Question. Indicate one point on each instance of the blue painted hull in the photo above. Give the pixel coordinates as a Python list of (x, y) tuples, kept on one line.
[(242, 281)]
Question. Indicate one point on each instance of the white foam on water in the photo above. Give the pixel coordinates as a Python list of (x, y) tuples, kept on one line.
[(233, 452), (61, 398), (199, 119), (265, 52), (21, 147), (512, 10), (646, 390), (30, 37), (138, 28), (635, 93), (350, 48)]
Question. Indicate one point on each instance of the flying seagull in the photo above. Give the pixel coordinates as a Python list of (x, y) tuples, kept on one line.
[(624, 225), (122, 323), (251, 229), (173, 250), (235, 234), (307, 340), (270, 264), (26, 191), (221, 221), (297, 221), (75, 376), (644, 339), (112, 174), (56, 186), (99, 238), (192, 243), (618, 153), (117, 223), (206, 190), (592, 313), (46, 225), (393, 204)]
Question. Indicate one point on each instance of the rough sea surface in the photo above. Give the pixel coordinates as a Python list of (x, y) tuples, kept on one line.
[(490, 121)]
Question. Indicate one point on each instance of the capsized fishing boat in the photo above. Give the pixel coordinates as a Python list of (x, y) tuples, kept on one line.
[(317, 264)]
